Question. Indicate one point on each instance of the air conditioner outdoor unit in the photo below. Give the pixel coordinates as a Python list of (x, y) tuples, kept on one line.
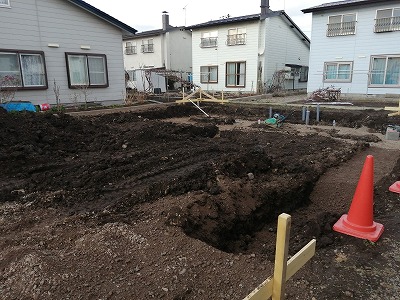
[(289, 73)]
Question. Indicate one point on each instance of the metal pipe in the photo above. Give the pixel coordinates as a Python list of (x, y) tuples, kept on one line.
[(307, 117), (303, 113), (270, 112), (317, 113)]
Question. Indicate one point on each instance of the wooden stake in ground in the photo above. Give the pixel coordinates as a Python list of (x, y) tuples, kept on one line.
[(396, 109), (275, 286)]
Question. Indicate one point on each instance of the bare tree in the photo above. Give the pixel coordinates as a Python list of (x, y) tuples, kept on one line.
[(8, 87), (56, 90)]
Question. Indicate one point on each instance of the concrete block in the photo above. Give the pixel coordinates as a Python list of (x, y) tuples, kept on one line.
[(392, 134)]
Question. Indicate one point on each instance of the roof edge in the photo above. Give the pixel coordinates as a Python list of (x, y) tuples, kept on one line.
[(331, 6), (225, 21), (106, 17), (301, 33)]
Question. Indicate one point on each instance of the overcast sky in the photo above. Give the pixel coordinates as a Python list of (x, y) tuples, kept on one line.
[(146, 14)]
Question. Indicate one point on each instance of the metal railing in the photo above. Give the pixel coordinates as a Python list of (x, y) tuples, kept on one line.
[(343, 28), (387, 24), (236, 39), (147, 48), (130, 50), (209, 42)]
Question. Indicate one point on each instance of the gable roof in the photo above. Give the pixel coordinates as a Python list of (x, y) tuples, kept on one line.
[(343, 4), (225, 21), (254, 17), (154, 32), (126, 29)]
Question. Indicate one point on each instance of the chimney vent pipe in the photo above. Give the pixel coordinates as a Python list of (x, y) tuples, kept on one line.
[(264, 9)]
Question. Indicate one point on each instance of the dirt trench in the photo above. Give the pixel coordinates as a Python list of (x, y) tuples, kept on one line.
[(171, 200)]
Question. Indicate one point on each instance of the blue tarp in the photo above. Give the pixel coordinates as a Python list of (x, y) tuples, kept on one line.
[(18, 106)]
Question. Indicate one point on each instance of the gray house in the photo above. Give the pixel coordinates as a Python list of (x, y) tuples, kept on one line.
[(65, 43)]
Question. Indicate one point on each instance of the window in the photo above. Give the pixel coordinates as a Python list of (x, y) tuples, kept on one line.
[(236, 74), (86, 70), (4, 3), (385, 71), (209, 74), (23, 69), (387, 20), (338, 71), (130, 48), (209, 39), (147, 46), (303, 74), (132, 75), (236, 36), (341, 25)]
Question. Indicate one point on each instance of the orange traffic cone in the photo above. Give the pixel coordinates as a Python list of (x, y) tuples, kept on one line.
[(359, 221), (395, 187)]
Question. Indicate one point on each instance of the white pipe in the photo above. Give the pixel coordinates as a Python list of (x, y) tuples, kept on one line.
[(199, 108)]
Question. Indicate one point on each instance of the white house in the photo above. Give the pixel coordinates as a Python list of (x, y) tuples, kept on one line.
[(355, 46), (167, 52), (243, 53), (67, 42)]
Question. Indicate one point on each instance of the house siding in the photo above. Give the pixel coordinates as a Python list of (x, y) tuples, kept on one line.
[(222, 54), (179, 54), (283, 46), (142, 60), (32, 25), (356, 48)]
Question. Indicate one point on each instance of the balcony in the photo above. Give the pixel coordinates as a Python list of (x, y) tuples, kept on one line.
[(129, 50), (387, 24), (344, 28), (211, 42), (147, 48), (236, 39)]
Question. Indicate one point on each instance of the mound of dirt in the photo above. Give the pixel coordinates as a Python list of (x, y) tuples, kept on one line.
[(166, 203)]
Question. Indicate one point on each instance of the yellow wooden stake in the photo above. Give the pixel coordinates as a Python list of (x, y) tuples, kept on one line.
[(209, 98), (275, 286), (281, 255)]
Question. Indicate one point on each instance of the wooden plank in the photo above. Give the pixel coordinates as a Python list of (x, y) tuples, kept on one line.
[(281, 255), (300, 258), (209, 96), (262, 292), (201, 100), (395, 109)]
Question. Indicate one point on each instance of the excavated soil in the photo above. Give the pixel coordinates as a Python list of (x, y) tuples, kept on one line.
[(164, 202)]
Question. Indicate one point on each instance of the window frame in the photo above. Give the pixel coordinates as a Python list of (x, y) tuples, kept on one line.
[(338, 63), (22, 86), (303, 73), (370, 73), (341, 31), (389, 27), (233, 39), (8, 4), (130, 48), (87, 55), (147, 46), (209, 39), (209, 74), (236, 74)]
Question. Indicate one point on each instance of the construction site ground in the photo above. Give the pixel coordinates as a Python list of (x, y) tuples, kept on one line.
[(163, 202)]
